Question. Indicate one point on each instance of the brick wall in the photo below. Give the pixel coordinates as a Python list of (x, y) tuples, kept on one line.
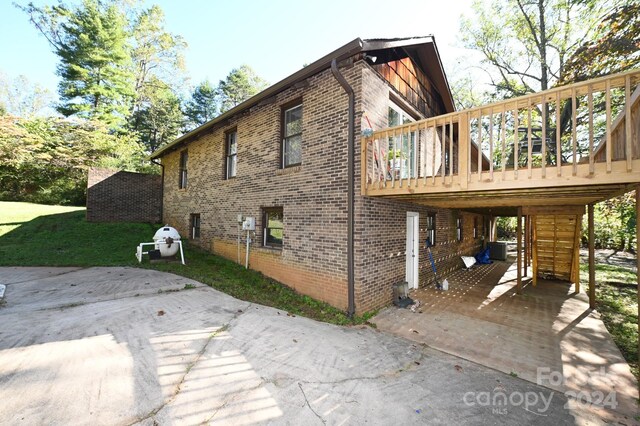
[(117, 196), (313, 196)]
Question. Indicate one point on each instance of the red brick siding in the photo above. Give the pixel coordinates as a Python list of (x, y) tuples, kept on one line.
[(313, 196)]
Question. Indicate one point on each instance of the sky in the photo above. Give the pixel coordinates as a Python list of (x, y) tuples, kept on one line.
[(274, 37)]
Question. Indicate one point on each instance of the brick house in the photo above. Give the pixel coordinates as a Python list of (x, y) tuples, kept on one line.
[(282, 158)]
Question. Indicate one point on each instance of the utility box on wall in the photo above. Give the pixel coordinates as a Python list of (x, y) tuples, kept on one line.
[(249, 224)]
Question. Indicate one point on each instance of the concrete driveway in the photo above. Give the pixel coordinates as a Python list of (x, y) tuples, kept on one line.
[(132, 346)]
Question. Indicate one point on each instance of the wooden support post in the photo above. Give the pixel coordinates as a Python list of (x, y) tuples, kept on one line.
[(464, 150), (519, 247), (592, 266), (576, 253), (534, 252), (638, 259), (526, 246)]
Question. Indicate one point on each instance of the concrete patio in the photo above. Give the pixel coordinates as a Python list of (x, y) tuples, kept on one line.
[(128, 346), (548, 335)]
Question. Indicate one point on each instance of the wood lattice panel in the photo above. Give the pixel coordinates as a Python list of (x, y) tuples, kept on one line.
[(556, 245)]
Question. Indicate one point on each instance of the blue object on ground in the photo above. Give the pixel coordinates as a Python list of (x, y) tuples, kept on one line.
[(483, 257)]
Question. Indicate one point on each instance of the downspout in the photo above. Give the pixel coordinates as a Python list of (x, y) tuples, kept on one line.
[(350, 192), (161, 190)]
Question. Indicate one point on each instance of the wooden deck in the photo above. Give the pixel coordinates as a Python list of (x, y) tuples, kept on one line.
[(481, 318), (576, 144)]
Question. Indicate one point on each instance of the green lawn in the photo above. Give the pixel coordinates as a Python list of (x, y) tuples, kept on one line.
[(37, 235), (617, 303)]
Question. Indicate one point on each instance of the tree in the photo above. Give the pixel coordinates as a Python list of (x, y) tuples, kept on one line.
[(158, 118), (45, 160), (92, 44), (18, 96), (203, 105), (241, 84), (525, 44), (614, 48), (157, 55)]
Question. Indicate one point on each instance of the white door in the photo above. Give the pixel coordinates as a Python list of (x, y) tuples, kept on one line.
[(413, 237)]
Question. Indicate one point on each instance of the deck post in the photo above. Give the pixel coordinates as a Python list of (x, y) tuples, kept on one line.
[(464, 150), (592, 266), (638, 258), (519, 251), (534, 252), (526, 246)]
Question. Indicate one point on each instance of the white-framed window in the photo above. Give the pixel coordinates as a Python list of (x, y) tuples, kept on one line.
[(182, 176), (195, 226), (431, 228), (403, 150), (292, 136), (459, 234), (232, 154), (272, 227)]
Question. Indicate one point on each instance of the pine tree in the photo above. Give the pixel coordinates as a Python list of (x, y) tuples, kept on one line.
[(203, 105), (241, 84), (91, 41)]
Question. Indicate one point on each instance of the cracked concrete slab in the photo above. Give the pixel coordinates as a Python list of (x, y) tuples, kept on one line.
[(127, 354)]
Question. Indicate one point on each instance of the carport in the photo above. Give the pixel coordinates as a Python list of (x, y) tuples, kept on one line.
[(548, 334)]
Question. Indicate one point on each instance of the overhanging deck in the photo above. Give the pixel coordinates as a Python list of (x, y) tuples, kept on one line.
[(519, 152)]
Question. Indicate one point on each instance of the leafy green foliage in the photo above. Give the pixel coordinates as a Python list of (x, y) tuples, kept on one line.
[(157, 57), (615, 224), (203, 105), (35, 235), (46, 159), (158, 118), (241, 84), (614, 48)]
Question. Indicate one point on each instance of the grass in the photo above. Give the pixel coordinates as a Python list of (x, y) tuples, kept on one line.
[(617, 303), (37, 235)]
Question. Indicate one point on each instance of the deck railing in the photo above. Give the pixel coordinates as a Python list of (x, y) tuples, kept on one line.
[(579, 130)]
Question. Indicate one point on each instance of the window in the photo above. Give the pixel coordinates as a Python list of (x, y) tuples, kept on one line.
[(232, 154), (475, 227), (195, 226), (292, 136), (182, 179), (402, 148), (459, 229), (431, 228), (273, 227)]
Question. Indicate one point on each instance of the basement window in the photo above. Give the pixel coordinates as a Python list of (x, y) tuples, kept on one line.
[(182, 177), (459, 235), (273, 227), (195, 226), (431, 228)]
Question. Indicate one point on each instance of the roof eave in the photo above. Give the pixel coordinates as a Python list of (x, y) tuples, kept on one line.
[(343, 52)]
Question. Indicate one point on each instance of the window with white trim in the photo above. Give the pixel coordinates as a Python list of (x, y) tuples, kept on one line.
[(292, 136), (182, 177), (232, 153), (402, 153), (431, 228)]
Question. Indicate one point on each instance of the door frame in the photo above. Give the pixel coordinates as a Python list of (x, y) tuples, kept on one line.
[(412, 252)]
